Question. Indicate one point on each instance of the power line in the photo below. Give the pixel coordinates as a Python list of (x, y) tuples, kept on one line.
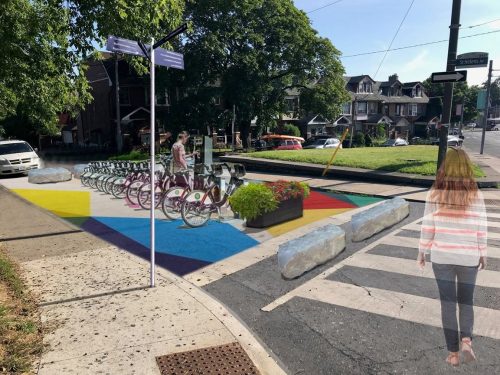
[(418, 45), (480, 24), (324, 6), (394, 37)]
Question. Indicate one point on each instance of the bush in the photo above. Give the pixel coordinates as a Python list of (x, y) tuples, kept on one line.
[(359, 139), (253, 200), (289, 129), (368, 140), (132, 155)]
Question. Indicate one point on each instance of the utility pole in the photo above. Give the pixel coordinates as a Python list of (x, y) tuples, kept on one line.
[(119, 141), (486, 106), (448, 87)]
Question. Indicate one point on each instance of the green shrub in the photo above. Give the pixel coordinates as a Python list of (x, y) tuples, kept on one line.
[(359, 139), (253, 200), (368, 140), (132, 155), (289, 129)]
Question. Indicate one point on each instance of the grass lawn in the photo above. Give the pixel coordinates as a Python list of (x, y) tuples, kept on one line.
[(408, 159), (20, 327)]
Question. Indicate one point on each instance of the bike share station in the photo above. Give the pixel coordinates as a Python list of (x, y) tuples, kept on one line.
[(167, 242)]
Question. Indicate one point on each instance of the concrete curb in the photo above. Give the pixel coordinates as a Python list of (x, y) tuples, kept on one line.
[(258, 164)]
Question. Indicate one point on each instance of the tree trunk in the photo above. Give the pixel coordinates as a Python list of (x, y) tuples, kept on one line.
[(245, 131)]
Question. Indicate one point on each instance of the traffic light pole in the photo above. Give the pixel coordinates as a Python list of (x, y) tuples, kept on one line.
[(486, 106), (448, 87)]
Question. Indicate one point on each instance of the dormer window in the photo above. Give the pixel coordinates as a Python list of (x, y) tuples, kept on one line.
[(418, 91), (365, 87)]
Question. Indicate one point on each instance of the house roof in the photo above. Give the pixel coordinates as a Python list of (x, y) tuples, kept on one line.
[(408, 85), (379, 118), (357, 79)]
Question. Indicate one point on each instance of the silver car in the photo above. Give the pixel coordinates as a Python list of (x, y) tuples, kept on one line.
[(322, 143)]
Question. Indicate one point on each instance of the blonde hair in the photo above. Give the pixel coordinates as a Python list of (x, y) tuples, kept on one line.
[(455, 186)]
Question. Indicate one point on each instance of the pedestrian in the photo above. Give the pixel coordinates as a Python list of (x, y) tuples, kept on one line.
[(454, 232), (179, 152)]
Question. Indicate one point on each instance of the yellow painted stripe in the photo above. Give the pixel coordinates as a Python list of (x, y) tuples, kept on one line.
[(60, 202), (310, 216)]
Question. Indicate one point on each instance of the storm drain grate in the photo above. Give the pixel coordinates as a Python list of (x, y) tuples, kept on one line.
[(229, 359)]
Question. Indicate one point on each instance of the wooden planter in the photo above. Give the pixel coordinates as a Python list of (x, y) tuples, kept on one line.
[(287, 210)]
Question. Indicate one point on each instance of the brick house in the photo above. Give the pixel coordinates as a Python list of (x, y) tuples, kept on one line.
[(96, 124)]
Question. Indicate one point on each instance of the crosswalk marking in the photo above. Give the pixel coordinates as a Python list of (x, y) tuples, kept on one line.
[(395, 305), (492, 235), (409, 267), (409, 242)]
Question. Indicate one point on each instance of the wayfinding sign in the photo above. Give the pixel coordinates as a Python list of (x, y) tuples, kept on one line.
[(456, 76), (472, 60), (163, 57)]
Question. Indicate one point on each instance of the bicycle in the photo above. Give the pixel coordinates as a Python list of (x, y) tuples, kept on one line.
[(198, 206)]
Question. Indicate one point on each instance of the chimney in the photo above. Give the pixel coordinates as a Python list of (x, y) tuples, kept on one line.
[(393, 78)]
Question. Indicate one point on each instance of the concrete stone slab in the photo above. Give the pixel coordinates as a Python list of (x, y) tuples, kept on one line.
[(78, 169), (302, 254), (48, 175), (378, 218)]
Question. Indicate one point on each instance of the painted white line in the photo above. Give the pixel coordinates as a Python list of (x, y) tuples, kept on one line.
[(493, 252), (408, 267), (416, 227), (396, 305)]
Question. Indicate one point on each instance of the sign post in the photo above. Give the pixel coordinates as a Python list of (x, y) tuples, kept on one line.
[(158, 56)]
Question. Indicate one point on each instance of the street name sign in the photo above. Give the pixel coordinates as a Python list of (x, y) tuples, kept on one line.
[(472, 60), (456, 76), (163, 57)]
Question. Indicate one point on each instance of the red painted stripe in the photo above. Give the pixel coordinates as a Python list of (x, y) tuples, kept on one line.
[(317, 200)]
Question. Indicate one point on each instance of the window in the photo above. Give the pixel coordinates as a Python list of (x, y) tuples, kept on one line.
[(413, 109), (216, 100), (365, 87), (372, 107), (162, 98), (124, 96), (361, 108), (291, 104), (418, 91), (346, 108), (400, 109)]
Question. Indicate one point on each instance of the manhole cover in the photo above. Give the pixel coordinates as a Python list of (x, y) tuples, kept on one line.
[(228, 359)]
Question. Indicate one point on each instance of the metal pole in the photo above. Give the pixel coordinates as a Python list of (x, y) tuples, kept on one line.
[(232, 127), (486, 106), (448, 87), (152, 178), (462, 116), (119, 141), (353, 121)]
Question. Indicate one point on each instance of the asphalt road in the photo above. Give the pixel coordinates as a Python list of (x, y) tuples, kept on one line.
[(472, 142), (345, 326)]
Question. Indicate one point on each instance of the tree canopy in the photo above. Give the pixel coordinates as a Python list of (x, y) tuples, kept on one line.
[(45, 43), (250, 52)]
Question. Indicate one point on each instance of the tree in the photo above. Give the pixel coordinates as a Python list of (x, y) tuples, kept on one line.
[(45, 44), (462, 93), (257, 50), (39, 77), (494, 92)]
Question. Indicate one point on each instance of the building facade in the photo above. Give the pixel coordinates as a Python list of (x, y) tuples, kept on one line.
[(399, 108)]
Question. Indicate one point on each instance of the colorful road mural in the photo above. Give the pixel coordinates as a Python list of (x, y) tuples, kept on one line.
[(180, 249)]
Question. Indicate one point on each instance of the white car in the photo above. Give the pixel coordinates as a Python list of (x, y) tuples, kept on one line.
[(17, 157), (454, 141), (395, 142), (322, 143)]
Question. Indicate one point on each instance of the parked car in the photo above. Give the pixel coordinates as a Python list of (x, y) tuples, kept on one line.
[(395, 142), (283, 142), (454, 141), (17, 157), (322, 143), (471, 125)]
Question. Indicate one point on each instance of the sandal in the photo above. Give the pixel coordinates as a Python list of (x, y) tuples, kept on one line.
[(467, 351), (453, 359)]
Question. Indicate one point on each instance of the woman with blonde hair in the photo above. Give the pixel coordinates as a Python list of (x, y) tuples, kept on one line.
[(454, 231)]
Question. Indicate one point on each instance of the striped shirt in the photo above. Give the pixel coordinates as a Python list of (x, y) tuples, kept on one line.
[(454, 235)]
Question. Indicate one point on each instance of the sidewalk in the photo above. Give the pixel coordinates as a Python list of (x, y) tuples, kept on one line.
[(100, 314)]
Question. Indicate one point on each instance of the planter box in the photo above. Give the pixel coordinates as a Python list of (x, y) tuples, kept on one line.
[(287, 210)]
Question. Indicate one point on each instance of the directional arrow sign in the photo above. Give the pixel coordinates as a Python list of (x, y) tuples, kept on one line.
[(442, 77), (130, 47)]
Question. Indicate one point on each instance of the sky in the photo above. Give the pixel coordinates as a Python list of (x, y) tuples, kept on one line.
[(357, 26)]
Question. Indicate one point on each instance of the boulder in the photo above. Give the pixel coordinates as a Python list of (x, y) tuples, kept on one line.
[(374, 220), (78, 169), (47, 175), (302, 254)]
